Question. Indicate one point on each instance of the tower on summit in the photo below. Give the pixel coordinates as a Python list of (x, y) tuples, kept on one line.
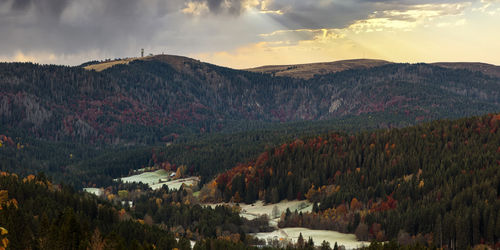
[(142, 52)]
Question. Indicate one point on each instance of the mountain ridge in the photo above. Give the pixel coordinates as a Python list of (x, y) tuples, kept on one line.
[(303, 70), (309, 70), (150, 100)]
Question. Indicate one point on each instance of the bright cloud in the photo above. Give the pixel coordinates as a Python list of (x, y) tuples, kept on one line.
[(407, 19), (244, 33), (404, 34), (196, 8)]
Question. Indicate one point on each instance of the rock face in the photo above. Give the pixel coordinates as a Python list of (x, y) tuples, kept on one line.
[(152, 98)]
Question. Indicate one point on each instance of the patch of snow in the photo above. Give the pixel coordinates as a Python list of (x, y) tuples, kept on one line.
[(149, 178), (156, 180), (318, 236), (257, 209), (95, 191), (176, 184)]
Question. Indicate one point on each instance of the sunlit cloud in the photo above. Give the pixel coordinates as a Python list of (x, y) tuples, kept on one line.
[(195, 8), (320, 45), (408, 19), (394, 34), (264, 8), (275, 12), (304, 34)]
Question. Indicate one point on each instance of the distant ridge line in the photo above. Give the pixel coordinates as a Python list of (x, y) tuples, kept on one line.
[(305, 70)]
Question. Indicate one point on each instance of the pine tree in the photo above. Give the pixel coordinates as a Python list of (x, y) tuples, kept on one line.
[(300, 241), (325, 245), (438, 231), (497, 228), (476, 233)]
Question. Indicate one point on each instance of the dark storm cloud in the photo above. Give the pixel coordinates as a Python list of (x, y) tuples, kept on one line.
[(76, 26), (21, 4), (214, 5), (51, 7), (120, 27), (220, 7)]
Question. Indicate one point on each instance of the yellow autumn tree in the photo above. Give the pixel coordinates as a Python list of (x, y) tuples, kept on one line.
[(123, 194), (311, 193), (421, 184), (4, 196), (4, 242)]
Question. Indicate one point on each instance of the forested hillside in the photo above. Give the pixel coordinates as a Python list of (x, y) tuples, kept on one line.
[(36, 214), (438, 182), (205, 155), (39, 215), (154, 100)]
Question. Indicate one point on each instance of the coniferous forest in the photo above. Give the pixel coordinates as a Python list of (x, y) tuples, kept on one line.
[(436, 183)]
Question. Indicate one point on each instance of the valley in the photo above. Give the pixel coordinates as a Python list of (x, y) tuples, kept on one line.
[(190, 154), (249, 125)]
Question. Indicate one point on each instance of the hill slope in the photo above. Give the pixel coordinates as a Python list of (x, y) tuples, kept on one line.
[(146, 101), (439, 181), (307, 71), (39, 215)]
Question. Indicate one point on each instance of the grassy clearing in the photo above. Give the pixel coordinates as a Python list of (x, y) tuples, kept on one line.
[(153, 180), (273, 211), (95, 191), (318, 236), (176, 184)]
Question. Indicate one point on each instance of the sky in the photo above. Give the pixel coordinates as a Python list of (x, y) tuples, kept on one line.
[(250, 33)]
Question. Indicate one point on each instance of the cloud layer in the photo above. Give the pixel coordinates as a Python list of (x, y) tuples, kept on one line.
[(72, 31)]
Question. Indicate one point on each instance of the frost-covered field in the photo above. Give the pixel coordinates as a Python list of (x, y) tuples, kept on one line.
[(318, 236), (96, 191), (152, 179), (176, 184), (149, 178), (258, 208), (292, 234)]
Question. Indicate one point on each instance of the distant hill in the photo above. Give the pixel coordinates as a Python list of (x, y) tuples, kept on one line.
[(175, 61), (307, 71), (156, 98)]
